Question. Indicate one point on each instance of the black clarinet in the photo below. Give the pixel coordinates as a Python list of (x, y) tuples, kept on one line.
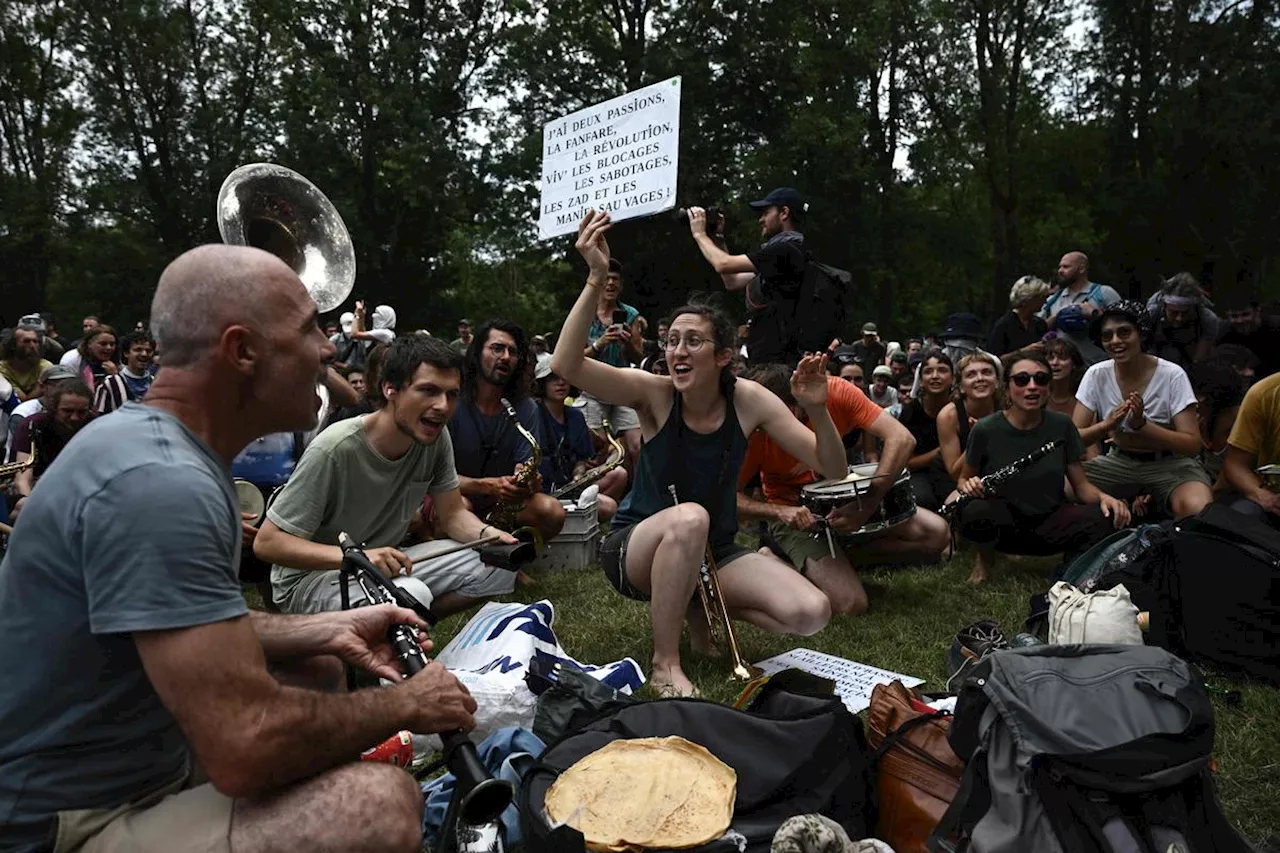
[(479, 798), (993, 481)]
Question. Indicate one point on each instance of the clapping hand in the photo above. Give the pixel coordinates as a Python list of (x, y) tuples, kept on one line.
[(809, 381)]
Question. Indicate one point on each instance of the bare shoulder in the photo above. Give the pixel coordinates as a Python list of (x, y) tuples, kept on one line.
[(947, 415)]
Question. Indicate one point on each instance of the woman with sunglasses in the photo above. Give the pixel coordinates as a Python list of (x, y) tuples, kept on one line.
[(977, 396), (1147, 405), (1031, 514), (695, 424)]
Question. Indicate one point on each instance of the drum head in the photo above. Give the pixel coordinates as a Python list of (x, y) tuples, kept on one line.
[(250, 498)]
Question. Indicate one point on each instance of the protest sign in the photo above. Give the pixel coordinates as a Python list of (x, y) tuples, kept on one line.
[(854, 681), (620, 156)]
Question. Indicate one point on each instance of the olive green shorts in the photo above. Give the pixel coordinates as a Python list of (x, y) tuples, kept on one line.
[(1124, 477)]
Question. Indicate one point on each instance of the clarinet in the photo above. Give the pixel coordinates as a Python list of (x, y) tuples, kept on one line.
[(478, 797), (993, 481)]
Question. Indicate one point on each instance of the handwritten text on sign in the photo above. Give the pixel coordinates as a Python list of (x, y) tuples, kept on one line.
[(854, 681), (619, 156)]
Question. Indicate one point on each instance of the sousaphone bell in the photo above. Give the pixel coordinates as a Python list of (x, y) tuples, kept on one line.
[(275, 209)]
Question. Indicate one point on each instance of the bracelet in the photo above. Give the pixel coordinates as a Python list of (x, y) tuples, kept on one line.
[(482, 530), (595, 346)]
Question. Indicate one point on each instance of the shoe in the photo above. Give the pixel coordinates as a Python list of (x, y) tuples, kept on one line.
[(972, 644)]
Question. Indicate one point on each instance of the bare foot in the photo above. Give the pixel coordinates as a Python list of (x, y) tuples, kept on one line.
[(979, 573), (670, 682), (766, 550), (525, 579)]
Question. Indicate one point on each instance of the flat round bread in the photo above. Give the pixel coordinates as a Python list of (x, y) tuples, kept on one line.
[(647, 793)]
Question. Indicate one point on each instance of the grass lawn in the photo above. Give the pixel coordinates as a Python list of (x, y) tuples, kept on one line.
[(914, 615)]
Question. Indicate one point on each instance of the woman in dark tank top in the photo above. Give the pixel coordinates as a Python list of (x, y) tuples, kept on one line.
[(929, 481), (694, 425), (977, 396)]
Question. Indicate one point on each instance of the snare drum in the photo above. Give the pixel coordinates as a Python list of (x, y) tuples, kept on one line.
[(898, 505)]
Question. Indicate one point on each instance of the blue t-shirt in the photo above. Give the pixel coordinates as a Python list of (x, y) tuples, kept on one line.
[(135, 527), (138, 386), (612, 353), (563, 446), (267, 461), (490, 445)]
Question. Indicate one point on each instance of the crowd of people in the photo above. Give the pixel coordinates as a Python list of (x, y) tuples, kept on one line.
[(236, 726)]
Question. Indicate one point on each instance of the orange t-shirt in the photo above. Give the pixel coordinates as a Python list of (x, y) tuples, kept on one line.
[(781, 474)]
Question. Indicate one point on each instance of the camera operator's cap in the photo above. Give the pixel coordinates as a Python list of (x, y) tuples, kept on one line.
[(882, 370), (542, 367), (782, 196), (869, 329), (32, 322)]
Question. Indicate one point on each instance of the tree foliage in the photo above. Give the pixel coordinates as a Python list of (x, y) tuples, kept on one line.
[(947, 146)]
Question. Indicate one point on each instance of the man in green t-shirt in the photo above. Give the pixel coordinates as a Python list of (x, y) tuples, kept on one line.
[(1030, 513), (367, 477)]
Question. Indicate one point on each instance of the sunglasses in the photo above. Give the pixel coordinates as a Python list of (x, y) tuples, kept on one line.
[(1040, 377)]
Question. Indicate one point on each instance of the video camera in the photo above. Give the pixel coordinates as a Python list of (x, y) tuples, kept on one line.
[(715, 216)]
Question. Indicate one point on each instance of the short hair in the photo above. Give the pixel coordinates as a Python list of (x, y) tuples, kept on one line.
[(407, 352), (615, 266), (774, 377), (937, 355), (1025, 354), (69, 388), (973, 358), (1238, 356), (1028, 289), (1183, 284), (1062, 345), (126, 343)]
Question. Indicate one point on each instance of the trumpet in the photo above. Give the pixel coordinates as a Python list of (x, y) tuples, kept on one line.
[(617, 455), (11, 470), (708, 595)]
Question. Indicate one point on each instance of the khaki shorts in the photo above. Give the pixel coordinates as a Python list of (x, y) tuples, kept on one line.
[(799, 545), (1124, 477), (184, 817), (621, 418)]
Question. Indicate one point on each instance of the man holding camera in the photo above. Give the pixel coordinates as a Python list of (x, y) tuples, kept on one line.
[(616, 337), (771, 276)]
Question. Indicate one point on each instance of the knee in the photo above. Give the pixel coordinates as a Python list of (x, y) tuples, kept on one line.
[(394, 796), (848, 602), (687, 522), (935, 533), (806, 614), (1189, 499)]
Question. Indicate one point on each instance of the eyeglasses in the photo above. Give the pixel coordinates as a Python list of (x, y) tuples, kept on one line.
[(501, 349), (692, 343), (1040, 377)]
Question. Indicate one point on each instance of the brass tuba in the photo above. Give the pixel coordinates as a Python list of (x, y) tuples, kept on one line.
[(275, 209)]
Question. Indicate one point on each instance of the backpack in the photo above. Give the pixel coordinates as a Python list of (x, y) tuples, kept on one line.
[(821, 307), (1084, 749), (1093, 294), (793, 754)]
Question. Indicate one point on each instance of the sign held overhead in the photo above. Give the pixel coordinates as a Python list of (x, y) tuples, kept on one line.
[(620, 156)]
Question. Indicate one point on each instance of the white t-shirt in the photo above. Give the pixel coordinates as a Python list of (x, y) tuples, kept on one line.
[(382, 336), (1168, 393), (71, 358)]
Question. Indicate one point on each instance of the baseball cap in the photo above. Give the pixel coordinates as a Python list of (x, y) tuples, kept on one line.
[(32, 322), (869, 329), (346, 321), (57, 373), (782, 196), (464, 322), (881, 370), (844, 355), (542, 367)]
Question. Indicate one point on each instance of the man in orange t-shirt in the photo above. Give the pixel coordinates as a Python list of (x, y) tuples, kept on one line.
[(795, 529)]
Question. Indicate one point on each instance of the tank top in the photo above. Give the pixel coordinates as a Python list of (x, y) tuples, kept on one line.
[(922, 427), (703, 468)]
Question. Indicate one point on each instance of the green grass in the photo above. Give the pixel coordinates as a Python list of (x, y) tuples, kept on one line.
[(914, 615)]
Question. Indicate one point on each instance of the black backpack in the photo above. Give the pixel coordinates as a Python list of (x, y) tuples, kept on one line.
[(794, 754), (1084, 749), (821, 307)]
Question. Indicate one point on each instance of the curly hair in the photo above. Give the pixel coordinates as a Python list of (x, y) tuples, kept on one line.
[(516, 387)]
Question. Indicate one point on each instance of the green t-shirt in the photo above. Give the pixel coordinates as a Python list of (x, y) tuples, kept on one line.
[(343, 484), (1038, 489)]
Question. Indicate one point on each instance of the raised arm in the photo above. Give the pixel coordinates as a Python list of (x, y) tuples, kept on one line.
[(635, 388), (822, 450), (721, 261)]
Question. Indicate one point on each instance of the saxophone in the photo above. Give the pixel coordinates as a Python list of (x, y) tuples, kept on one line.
[(617, 456), (503, 515)]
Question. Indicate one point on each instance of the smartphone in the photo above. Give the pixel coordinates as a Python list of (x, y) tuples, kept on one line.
[(619, 317)]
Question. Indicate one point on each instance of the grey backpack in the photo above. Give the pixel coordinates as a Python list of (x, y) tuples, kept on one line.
[(1084, 749)]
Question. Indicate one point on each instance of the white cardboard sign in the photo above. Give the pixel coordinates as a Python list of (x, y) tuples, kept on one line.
[(620, 155), (854, 681)]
